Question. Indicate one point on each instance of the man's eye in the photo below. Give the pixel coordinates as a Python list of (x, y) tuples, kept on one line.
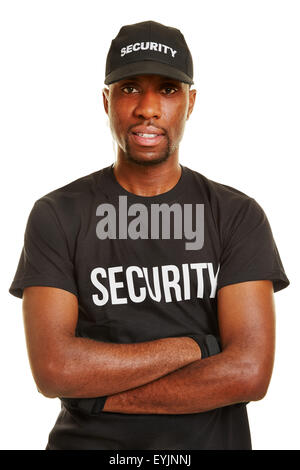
[(129, 90), (168, 90)]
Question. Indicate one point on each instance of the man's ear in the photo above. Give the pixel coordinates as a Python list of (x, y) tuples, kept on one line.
[(192, 98), (105, 95)]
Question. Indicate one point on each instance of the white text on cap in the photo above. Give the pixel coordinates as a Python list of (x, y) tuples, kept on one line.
[(152, 46)]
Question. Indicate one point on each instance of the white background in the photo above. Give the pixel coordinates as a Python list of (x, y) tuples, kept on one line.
[(244, 132)]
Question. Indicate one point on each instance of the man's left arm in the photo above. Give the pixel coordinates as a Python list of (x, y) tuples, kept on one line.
[(240, 373)]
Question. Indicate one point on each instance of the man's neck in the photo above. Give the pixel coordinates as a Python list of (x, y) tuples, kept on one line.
[(148, 180)]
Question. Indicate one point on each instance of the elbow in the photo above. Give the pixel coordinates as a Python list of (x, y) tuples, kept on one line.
[(259, 390), (257, 380), (46, 392), (49, 380)]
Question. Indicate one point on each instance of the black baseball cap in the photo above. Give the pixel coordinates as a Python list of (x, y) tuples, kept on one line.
[(149, 48)]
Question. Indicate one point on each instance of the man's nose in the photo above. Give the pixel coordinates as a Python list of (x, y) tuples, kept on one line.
[(148, 105)]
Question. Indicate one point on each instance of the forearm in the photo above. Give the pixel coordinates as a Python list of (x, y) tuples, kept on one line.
[(89, 368), (240, 373), (215, 382)]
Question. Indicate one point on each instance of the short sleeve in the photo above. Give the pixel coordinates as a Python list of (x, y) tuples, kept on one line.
[(45, 259), (250, 252)]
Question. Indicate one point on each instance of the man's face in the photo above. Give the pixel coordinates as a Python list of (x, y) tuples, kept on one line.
[(147, 116)]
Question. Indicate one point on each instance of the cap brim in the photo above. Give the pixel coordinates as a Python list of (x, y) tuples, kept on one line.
[(146, 67)]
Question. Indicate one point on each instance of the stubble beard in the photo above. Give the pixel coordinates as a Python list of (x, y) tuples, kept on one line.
[(133, 158)]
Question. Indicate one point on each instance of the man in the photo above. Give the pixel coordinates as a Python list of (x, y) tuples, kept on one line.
[(132, 277)]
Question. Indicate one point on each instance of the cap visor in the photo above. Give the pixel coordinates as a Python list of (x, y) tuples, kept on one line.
[(147, 67)]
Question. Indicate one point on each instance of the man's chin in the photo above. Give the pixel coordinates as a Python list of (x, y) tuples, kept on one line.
[(147, 161), (148, 157)]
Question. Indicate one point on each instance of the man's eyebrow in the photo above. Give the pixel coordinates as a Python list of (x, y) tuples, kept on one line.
[(170, 80), (128, 81)]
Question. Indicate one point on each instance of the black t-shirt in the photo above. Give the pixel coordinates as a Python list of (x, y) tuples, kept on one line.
[(145, 268)]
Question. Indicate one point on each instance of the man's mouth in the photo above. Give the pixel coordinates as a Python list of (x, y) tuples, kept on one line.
[(147, 140), (147, 135)]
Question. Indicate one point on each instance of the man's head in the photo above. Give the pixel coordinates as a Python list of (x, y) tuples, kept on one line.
[(149, 72)]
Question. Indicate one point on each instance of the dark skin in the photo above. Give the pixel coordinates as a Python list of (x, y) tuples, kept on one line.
[(166, 375), (240, 373), (148, 100)]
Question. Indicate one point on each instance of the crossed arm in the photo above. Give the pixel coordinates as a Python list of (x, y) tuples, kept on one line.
[(162, 376)]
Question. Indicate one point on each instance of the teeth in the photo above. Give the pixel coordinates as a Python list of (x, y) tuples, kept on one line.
[(149, 136)]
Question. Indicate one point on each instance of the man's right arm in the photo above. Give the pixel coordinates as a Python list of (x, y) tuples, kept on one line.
[(64, 365)]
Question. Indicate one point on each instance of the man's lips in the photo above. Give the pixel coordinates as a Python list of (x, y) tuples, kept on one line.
[(147, 135)]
